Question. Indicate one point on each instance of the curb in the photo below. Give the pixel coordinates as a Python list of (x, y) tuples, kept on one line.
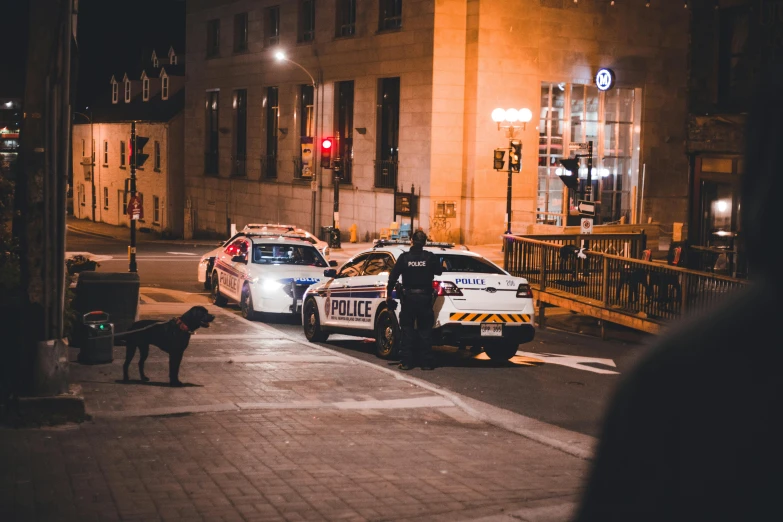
[(185, 242), (48, 411)]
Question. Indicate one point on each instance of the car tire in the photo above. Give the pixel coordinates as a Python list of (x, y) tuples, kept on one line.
[(387, 335), (246, 304), (207, 278), (502, 351), (216, 298), (311, 322)]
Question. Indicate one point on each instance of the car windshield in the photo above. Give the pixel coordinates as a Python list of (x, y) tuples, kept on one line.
[(468, 264), (273, 254)]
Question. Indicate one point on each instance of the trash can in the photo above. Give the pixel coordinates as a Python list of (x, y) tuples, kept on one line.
[(326, 234), (115, 293), (99, 339)]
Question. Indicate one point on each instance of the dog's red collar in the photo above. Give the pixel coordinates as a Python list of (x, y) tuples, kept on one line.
[(182, 326)]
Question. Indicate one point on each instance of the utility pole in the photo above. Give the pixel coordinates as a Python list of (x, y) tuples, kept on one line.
[(508, 190), (132, 247), (336, 182), (590, 196)]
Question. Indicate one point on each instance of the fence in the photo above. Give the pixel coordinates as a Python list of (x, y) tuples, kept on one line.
[(386, 173), (631, 287)]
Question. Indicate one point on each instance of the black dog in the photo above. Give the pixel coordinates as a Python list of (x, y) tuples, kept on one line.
[(172, 337)]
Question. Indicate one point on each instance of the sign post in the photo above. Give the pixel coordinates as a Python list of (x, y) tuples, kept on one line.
[(132, 248)]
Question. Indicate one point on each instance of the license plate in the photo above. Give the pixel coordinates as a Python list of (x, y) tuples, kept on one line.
[(492, 330)]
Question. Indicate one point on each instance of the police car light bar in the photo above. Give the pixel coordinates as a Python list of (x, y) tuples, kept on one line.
[(386, 242)]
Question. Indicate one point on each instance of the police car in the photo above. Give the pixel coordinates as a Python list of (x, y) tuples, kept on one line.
[(265, 273), (477, 303), (322, 246)]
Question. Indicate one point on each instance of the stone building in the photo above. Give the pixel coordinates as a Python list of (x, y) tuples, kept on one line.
[(407, 88), (154, 97)]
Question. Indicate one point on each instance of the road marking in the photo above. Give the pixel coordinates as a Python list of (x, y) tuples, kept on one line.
[(182, 253), (573, 361)]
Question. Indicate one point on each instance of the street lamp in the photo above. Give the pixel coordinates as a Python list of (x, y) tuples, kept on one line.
[(92, 158), (512, 120), (281, 57)]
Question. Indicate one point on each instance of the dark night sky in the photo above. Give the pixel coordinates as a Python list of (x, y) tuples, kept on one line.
[(112, 36)]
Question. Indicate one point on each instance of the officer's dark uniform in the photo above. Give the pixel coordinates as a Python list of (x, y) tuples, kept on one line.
[(417, 268)]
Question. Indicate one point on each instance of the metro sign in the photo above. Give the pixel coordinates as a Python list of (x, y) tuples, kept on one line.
[(604, 79)]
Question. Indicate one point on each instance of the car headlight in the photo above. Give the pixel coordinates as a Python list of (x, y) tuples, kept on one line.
[(270, 285)]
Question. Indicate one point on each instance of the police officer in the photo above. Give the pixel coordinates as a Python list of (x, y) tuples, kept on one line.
[(417, 268)]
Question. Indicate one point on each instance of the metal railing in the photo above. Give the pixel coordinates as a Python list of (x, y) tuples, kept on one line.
[(269, 167), (631, 286), (627, 245), (386, 173)]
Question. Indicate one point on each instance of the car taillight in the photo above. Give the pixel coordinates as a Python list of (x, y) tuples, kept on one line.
[(446, 288), (524, 290)]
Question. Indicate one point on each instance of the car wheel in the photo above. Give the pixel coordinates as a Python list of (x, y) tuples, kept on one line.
[(501, 352), (312, 323), (246, 304), (207, 279), (217, 299), (387, 335)]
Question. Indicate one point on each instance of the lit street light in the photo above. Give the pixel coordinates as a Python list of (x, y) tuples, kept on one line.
[(281, 57), (512, 119)]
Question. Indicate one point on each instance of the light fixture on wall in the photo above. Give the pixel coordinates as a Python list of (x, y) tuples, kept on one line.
[(647, 4), (361, 130)]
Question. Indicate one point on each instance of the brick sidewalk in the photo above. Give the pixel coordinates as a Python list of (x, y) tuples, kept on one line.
[(274, 429)]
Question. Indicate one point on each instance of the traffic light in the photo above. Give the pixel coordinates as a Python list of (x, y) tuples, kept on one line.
[(326, 152), (570, 180), (137, 151), (515, 155), (499, 161)]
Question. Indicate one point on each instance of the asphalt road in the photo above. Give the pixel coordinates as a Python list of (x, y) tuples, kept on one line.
[(561, 378)]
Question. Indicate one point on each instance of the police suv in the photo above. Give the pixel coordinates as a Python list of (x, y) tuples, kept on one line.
[(266, 273), (477, 303)]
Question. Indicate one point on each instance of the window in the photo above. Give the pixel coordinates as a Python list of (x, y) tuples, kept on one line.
[(735, 75), (145, 89), (114, 92), (127, 92), (122, 154), (344, 128), (468, 264), (272, 26), (378, 264), (155, 209), (390, 13), (81, 197), (608, 119), (272, 121), (276, 254), (213, 38), (306, 20), (353, 267), (387, 135), (156, 159), (105, 198), (211, 144), (306, 160), (346, 18), (164, 89), (155, 62), (173, 59), (240, 32), (124, 202), (105, 153), (240, 132)]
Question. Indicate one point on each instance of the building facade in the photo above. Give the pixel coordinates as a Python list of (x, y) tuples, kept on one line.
[(406, 88), (154, 98), (733, 45)]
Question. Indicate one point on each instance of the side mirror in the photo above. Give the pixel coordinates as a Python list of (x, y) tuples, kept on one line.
[(332, 263), (239, 259), (330, 272)]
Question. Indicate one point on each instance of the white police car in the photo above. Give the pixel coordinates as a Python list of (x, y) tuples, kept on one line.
[(265, 273), (477, 304)]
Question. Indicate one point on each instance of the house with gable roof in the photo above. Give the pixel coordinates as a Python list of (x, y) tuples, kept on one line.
[(153, 95)]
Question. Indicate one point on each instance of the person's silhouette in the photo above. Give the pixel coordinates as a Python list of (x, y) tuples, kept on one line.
[(695, 430)]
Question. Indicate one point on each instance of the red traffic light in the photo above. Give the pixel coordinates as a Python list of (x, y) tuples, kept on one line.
[(327, 143)]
